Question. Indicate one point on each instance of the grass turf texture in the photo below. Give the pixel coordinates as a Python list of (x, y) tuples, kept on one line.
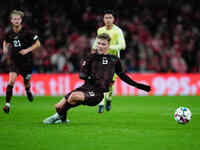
[(140, 123)]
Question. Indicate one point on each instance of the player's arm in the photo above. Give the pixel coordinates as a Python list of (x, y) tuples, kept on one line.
[(30, 49), (85, 69), (119, 71), (95, 43), (120, 43), (5, 47), (36, 44), (93, 50)]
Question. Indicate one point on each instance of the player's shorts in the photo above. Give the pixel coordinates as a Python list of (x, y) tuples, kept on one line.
[(24, 70), (92, 96)]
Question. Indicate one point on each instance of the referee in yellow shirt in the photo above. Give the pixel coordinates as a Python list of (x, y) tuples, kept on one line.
[(117, 43)]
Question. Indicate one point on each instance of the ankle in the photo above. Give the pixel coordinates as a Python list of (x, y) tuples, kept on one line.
[(108, 100), (27, 89), (7, 104)]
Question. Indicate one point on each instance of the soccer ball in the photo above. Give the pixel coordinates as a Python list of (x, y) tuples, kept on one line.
[(182, 115)]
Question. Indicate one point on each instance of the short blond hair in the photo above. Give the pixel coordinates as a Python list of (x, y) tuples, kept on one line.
[(17, 12), (104, 36)]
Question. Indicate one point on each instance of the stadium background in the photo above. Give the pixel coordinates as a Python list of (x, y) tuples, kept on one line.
[(162, 39), (162, 42)]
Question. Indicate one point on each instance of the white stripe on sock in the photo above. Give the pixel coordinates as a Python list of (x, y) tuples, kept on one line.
[(8, 104)]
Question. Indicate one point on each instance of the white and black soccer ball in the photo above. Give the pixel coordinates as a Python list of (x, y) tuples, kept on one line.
[(182, 115)]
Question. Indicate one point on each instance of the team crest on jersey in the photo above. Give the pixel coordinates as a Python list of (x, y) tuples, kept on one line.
[(104, 60), (16, 37), (84, 63), (91, 93), (35, 37)]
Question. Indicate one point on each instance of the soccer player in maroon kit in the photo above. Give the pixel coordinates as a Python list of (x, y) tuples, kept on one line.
[(97, 70), (21, 42)]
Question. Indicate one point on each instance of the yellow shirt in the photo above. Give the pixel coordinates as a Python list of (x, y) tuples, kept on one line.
[(117, 41)]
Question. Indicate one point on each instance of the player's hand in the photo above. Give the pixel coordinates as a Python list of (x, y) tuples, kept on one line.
[(144, 87), (24, 51), (93, 51)]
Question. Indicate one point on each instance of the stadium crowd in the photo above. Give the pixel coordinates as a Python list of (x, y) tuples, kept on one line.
[(160, 37)]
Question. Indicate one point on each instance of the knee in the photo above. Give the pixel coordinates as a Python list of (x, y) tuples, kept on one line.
[(26, 82), (12, 78), (73, 98), (57, 107), (11, 82)]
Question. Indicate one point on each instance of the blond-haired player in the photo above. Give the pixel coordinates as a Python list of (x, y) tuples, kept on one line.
[(21, 42), (117, 43), (97, 70)]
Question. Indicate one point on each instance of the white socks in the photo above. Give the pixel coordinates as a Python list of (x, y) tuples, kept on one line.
[(105, 96), (56, 116), (7, 104), (102, 102)]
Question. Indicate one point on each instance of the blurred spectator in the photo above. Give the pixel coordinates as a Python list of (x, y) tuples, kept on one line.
[(178, 63), (161, 36)]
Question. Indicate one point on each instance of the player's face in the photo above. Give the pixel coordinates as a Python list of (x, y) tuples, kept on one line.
[(108, 19), (102, 46), (16, 20)]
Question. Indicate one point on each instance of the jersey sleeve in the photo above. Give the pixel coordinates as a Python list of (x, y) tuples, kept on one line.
[(94, 47), (33, 37), (118, 67), (85, 67), (122, 75), (120, 44)]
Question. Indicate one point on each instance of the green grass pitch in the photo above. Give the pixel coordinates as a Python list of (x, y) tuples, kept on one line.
[(134, 123)]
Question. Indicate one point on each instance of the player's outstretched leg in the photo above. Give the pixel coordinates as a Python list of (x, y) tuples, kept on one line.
[(52, 119), (60, 115), (55, 119), (60, 121), (62, 108), (9, 90)]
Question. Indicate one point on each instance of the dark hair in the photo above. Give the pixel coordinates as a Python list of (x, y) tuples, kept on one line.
[(104, 36), (109, 11)]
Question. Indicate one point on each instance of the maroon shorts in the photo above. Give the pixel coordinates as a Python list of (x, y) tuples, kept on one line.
[(24, 70), (92, 96)]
